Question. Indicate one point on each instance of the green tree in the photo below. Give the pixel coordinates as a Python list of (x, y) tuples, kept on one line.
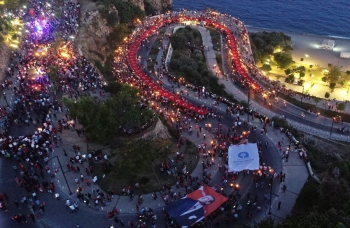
[(117, 36), (4, 24), (13, 4), (287, 71), (316, 100), (332, 85), (149, 9), (279, 122), (333, 74), (343, 83), (291, 78), (101, 120), (263, 44), (266, 67), (127, 10), (178, 41), (341, 106), (326, 95), (93, 117), (112, 19), (283, 59), (347, 72), (113, 87)]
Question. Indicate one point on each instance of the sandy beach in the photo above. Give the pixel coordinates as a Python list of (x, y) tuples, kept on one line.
[(307, 44)]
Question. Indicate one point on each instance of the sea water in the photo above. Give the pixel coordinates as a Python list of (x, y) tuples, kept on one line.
[(320, 17)]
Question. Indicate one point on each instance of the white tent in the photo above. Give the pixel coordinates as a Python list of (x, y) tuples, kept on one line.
[(327, 44), (345, 55), (243, 156)]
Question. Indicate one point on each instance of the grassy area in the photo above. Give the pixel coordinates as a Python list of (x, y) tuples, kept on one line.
[(307, 199), (139, 161), (218, 57), (215, 38), (189, 62), (155, 49)]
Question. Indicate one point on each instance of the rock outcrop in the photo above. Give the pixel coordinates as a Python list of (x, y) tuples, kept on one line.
[(93, 33), (160, 4), (92, 37), (138, 3), (159, 131)]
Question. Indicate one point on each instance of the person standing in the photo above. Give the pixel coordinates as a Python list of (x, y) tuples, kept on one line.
[(279, 205)]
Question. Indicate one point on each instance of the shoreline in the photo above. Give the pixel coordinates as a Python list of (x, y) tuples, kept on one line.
[(260, 29), (309, 45)]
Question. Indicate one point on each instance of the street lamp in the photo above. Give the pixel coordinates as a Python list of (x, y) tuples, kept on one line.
[(306, 56)]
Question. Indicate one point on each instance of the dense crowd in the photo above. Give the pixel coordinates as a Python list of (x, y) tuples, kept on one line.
[(35, 105)]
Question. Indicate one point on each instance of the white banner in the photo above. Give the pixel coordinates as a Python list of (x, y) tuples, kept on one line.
[(243, 156)]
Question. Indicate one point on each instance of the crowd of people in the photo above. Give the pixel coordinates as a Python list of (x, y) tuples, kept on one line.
[(182, 120), (28, 78)]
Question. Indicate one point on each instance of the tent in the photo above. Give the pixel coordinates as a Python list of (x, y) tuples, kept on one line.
[(243, 157), (327, 44), (345, 55), (195, 206)]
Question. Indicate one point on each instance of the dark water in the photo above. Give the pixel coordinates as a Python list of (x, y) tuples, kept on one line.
[(320, 17)]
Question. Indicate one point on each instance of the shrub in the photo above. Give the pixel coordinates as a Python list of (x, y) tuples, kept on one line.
[(279, 122), (144, 180)]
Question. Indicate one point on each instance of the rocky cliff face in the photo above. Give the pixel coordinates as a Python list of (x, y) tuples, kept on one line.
[(138, 3), (93, 32), (157, 4), (92, 37), (160, 4)]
